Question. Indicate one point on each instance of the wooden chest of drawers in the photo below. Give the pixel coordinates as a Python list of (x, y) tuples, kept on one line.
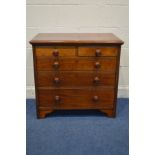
[(76, 71)]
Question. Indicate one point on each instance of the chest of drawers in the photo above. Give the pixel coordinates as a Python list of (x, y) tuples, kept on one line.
[(76, 71)]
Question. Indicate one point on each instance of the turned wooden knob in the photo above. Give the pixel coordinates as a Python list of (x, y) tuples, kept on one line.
[(56, 64), (95, 98), (57, 98), (56, 80), (56, 53), (98, 52), (97, 64), (96, 79)]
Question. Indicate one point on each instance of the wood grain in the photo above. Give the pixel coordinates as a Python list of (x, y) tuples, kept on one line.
[(77, 99), (74, 79), (48, 51), (75, 38), (91, 51), (75, 64), (76, 71)]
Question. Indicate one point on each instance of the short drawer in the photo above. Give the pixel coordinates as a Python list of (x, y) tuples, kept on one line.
[(107, 64), (76, 99), (74, 79), (97, 51), (55, 51)]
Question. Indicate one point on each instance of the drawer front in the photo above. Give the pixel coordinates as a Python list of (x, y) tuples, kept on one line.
[(107, 64), (76, 99), (74, 79), (55, 51), (97, 51)]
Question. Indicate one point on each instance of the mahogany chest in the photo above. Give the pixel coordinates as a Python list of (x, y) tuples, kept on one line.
[(76, 71)]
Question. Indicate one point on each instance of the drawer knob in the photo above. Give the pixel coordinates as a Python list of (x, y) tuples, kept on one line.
[(96, 80), (56, 53), (56, 80), (95, 98), (97, 64), (56, 64), (98, 52), (57, 98)]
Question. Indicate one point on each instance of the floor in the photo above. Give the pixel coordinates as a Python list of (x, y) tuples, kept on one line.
[(78, 132)]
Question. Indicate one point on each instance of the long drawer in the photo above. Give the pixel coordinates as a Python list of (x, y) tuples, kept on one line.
[(107, 64), (74, 79), (76, 98)]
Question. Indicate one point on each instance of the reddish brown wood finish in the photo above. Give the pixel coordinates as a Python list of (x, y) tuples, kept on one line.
[(76, 38), (76, 98), (67, 79), (97, 51), (63, 51), (107, 64), (109, 112), (43, 112), (76, 71)]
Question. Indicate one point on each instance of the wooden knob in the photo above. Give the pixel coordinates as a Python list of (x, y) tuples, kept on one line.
[(56, 80), (56, 64), (95, 98), (97, 64), (56, 53), (98, 52), (57, 98), (96, 79)]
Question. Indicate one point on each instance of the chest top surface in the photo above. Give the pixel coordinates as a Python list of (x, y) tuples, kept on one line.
[(76, 38)]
